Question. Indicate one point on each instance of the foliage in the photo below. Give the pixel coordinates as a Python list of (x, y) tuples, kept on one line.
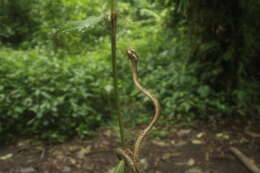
[(200, 58), (28, 23), (13, 28), (51, 97), (120, 168), (223, 42)]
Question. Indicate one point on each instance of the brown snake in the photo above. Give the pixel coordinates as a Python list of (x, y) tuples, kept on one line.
[(132, 158)]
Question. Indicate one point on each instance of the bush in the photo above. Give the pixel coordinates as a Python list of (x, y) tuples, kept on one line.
[(51, 97), (167, 71)]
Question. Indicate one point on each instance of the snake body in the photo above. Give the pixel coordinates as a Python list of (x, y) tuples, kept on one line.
[(132, 158)]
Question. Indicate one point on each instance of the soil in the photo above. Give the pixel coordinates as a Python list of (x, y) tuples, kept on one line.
[(199, 147)]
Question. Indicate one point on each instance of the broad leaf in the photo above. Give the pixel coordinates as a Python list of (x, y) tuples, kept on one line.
[(120, 168), (83, 24)]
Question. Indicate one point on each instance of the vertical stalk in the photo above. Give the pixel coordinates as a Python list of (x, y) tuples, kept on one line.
[(114, 67)]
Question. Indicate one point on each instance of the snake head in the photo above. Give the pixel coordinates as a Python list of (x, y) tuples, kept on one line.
[(133, 56)]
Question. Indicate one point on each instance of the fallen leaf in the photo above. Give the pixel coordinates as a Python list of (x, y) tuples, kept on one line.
[(183, 132), (108, 133), (180, 143), (73, 161), (191, 162), (160, 143), (66, 169), (7, 156), (252, 134), (58, 154), (207, 156), (167, 156), (179, 163), (73, 148), (27, 170), (222, 135), (196, 141), (173, 142), (243, 140), (144, 163), (199, 135), (22, 143), (81, 154), (194, 170)]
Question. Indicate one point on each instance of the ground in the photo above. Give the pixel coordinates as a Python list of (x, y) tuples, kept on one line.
[(200, 147)]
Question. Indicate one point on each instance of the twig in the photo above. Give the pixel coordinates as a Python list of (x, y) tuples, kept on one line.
[(43, 153), (249, 163), (252, 134)]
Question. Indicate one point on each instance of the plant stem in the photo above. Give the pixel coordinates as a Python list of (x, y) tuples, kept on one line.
[(115, 83), (113, 5)]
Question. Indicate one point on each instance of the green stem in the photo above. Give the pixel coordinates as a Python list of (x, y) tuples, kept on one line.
[(115, 83), (113, 5)]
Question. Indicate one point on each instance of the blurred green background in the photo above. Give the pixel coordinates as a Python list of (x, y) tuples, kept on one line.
[(201, 58)]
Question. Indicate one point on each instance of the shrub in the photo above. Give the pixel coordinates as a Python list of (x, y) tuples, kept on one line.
[(51, 97)]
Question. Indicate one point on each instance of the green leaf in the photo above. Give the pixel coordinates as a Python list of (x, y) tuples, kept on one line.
[(83, 24), (120, 168), (151, 13)]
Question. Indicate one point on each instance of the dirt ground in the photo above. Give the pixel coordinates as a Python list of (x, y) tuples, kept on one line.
[(200, 147)]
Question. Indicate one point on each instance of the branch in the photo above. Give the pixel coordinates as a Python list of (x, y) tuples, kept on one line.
[(249, 163)]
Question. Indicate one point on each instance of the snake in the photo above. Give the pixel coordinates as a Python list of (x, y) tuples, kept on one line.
[(132, 158)]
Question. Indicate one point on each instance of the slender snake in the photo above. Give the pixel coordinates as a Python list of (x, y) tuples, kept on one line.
[(132, 158)]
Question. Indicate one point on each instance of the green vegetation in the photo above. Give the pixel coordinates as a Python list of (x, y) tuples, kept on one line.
[(201, 58), (223, 39), (51, 97)]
